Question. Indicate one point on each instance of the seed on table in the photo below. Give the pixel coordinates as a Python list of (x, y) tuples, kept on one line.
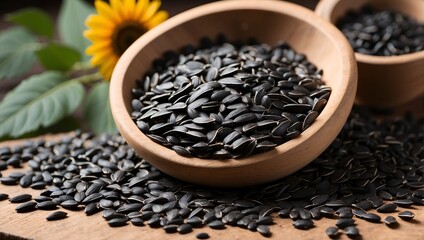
[(38, 185), (195, 221), (390, 221), (8, 181), (303, 224), (3, 196), (284, 213), (347, 213), (58, 215), (126, 179), (372, 217), (332, 232), (387, 208), (26, 207), (137, 221), (359, 213), (264, 230), (266, 220), (405, 203), (406, 215), (117, 222), (46, 205), (184, 228), (69, 204), (91, 209), (352, 232), (170, 228), (21, 198), (345, 222), (25, 181), (327, 212), (202, 235), (217, 224), (364, 205)]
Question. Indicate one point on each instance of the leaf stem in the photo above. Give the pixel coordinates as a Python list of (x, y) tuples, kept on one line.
[(81, 66), (88, 78)]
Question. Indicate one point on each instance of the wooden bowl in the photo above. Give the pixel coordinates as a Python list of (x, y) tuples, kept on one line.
[(268, 22), (383, 82)]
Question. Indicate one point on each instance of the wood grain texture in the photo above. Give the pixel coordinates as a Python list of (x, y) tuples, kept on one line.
[(78, 226), (268, 22)]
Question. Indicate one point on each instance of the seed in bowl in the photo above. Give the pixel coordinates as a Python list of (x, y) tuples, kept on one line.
[(228, 100), (382, 33)]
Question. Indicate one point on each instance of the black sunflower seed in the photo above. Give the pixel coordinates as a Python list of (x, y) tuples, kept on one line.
[(390, 221), (406, 215), (26, 207), (58, 215), (303, 224), (21, 198), (387, 208)]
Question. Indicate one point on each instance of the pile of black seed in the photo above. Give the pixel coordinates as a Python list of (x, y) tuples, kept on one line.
[(228, 100), (383, 33), (373, 164)]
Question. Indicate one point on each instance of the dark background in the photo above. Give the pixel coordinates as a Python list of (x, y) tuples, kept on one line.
[(52, 7)]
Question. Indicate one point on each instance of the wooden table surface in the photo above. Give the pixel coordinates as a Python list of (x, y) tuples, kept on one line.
[(78, 226)]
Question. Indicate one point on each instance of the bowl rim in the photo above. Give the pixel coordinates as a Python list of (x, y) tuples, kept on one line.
[(339, 100), (325, 8)]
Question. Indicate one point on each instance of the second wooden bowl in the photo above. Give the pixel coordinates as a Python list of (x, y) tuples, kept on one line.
[(268, 22), (383, 82)]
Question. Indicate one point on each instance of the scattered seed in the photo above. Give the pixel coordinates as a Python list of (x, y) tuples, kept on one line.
[(390, 221), (21, 198), (387, 208), (26, 207), (117, 222), (264, 230), (303, 224), (58, 215), (406, 215), (3, 196), (184, 228), (332, 232), (352, 232), (202, 235)]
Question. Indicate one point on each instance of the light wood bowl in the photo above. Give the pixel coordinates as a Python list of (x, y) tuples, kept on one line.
[(269, 22), (383, 82)]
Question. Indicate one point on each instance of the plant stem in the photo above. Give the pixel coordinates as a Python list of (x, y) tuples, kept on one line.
[(81, 66), (88, 78)]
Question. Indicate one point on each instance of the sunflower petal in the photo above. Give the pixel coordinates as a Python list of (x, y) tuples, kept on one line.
[(118, 7), (158, 18), (129, 8), (101, 57), (140, 8), (151, 10), (96, 35), (98, 47), (97, 21), (105, 10), (107, 68)]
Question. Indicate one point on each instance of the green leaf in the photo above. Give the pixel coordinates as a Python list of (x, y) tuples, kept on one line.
[(33, 19), (58, 57), (72, 17), (97, 109), (17, 55), (39, 101)]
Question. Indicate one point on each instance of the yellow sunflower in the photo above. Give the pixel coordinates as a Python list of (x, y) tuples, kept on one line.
[(116, 27)]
